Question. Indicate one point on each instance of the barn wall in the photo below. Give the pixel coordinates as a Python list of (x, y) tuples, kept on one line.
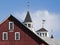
[(25, 39)]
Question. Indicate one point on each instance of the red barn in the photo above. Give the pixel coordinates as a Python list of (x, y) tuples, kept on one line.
[(13, 32)]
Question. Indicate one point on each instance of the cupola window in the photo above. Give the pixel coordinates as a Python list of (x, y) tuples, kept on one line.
[(29, 25), (45, 34), (25, 24)]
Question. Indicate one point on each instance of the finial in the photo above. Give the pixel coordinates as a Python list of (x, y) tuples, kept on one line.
[(28, 5), (52, 34), (52, 37), (43, 22)]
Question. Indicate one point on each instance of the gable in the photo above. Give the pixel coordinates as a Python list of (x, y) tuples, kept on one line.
[(25, 30)]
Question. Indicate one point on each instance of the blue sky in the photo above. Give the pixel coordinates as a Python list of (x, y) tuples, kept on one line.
[(8, 6), (48, 9)]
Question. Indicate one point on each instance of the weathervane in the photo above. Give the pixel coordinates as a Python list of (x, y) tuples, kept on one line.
[(43, 22), (28, 4), (52, 34)]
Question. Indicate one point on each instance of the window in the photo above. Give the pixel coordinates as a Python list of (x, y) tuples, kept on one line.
[(5, 36), (45, 34), (11, 26), (25, 24), (17, 35), (29, 25), (40, 34)]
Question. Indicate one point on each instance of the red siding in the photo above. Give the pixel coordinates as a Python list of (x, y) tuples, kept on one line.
[(25, 39)]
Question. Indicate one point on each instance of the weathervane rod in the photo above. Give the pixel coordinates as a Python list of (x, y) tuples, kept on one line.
[(43, 22), (28, 5)]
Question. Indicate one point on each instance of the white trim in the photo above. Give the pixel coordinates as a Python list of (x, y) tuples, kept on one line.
[(9, 26), (6, 35), (15, 35)]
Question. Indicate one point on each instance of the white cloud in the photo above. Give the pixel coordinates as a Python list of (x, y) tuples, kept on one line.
[(52, 19)]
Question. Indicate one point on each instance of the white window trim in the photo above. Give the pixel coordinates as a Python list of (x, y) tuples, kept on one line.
[(15, 35), (9, 26), (6, 36)]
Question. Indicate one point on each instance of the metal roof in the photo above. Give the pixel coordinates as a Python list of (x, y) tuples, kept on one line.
[(42, 30), (28, 17)]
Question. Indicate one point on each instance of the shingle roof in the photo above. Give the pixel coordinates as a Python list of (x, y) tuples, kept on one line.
[(28, 17), (42, 30)]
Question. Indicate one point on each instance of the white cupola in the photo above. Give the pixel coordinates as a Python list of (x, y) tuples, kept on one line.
[(42, 32), (28, 22)]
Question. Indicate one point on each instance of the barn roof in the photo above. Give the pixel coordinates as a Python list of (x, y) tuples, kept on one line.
[(51, 41), (26, 30)]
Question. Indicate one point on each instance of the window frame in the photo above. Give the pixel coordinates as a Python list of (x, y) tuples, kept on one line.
[(6, 36), (18, 34), (40, 34), (25, 24), (29, 25), (45, 34), (12, 26)]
